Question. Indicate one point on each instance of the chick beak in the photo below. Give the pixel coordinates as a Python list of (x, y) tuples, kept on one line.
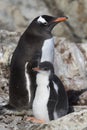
[(36, 69)]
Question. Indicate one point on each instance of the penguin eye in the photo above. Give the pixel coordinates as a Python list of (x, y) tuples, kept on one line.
[(45, 23)]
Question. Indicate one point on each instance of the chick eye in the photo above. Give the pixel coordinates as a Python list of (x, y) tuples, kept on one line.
[(45, 68)]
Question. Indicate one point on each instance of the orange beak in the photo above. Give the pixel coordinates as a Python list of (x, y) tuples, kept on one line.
[(36, 69), (60, 19)]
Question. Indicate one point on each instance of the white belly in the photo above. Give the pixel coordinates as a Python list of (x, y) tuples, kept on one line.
[(48, 50), (40, 110)]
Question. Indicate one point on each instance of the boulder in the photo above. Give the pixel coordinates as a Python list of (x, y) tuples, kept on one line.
[(70, 64), (15, 15), (74, 121), (77, 13)]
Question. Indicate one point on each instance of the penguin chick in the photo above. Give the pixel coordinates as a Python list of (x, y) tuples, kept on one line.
[(35, 45), (50, 101)]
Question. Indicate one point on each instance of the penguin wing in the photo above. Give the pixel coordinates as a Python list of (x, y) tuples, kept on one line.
[(61, 106)]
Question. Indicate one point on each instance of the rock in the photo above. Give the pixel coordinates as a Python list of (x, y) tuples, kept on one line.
[(8, 42), (16, 15), (10, 122), (14, 122), (70, 64), (71, 57), (73, 121), (2, 127), (83, 98), (77, 14), (79, 108), (83, 48), (6, 53)]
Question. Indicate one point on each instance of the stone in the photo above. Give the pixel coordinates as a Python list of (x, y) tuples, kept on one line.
[(83, 98), (83, 48), (75, 28), (72, 56), (2, 127), (16, 15), (73, 121), (8, 42), (70, 64), (79, 108)]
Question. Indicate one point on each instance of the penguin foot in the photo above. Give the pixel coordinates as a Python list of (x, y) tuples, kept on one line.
[(35, 120)]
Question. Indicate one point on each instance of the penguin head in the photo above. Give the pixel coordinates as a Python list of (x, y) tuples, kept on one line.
[(43, 25), (45, 68)]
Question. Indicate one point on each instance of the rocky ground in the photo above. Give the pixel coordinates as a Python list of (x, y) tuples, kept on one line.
[(69, 66)]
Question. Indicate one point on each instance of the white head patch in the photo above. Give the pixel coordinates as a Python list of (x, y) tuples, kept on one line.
[(41, 20)]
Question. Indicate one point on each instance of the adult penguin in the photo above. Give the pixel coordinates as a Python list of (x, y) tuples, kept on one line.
[(35, 45)]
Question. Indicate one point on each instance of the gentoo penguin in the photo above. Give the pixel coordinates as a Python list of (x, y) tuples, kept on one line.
[(35, 45), (50, 101)]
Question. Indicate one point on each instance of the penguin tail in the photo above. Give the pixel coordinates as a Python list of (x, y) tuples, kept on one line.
[(6, 109), (10, 110)]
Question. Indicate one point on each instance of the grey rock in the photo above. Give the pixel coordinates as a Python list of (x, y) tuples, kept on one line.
[(79, 108), (8, 42), (2, 127), (73, 121), (83, 98), (77, 13), (16, 14), (83, 48), (70, 64), (76, 27)]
